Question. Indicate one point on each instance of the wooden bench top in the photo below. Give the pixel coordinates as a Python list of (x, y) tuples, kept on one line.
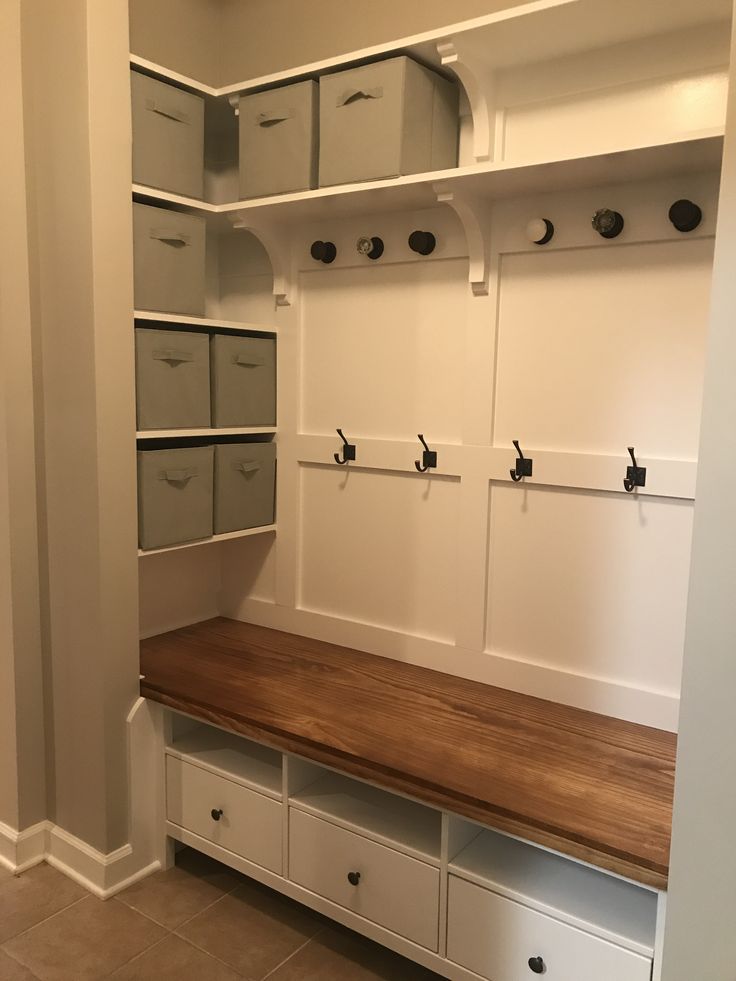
[(589, 786)]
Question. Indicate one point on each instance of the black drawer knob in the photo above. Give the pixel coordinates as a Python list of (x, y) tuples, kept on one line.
[(216, 813), (537, 965), (353, 878)]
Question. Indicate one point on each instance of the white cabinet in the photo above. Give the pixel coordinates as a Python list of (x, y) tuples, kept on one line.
[(376, 882), (504, 941), (224, 812)]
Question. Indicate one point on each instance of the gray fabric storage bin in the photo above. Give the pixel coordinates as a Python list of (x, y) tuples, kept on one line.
[(172, 371), (386, 119), (168, 261), (175, 495), (245, 485), (168, 136), (243, 380), (278, 140)]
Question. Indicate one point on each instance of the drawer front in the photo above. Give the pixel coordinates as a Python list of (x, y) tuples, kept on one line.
[(250, 824), (395, 891), (496, 938)]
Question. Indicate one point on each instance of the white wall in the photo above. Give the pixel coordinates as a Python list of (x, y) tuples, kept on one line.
[(700, 941)]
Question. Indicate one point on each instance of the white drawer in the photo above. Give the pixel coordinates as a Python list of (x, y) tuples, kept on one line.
[(395, 891), (250, 824), (496, 938)]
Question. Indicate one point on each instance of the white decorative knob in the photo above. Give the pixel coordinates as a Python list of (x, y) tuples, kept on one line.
[(539, 231)]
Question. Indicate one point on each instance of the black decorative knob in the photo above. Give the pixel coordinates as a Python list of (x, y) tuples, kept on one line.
[(539, 231), (370, 247), (353, 878), (536, 964), (685, 215), (608, 223), (424, 243), (323, 252), (216, 813)]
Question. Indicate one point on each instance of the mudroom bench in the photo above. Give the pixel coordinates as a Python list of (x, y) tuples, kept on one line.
[(478, 831)]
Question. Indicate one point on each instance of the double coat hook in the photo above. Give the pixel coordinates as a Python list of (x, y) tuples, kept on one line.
[(429, 457), (348, 450), (524, 465), (636, 476)]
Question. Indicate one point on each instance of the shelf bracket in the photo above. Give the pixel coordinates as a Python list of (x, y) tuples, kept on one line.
[(480, 87), (474, 214), (234, 101), (275, 241)]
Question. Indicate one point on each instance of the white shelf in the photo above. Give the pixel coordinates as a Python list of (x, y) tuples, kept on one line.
[(181, 81), (233, 757), (193, 205), (599, 903), (482, 181), (230, 536), (387, 818), (197, 433), (182, 320), (491, 181)]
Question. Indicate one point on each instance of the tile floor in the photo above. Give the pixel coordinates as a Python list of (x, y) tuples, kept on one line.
[(199, 920)]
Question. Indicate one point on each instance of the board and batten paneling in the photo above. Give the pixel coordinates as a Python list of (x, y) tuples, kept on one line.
[(380, 548), (589, 583), (601, 350), (382, 350)]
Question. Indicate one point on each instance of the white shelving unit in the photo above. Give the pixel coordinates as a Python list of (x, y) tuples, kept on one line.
[(233, 757), (579, 349)]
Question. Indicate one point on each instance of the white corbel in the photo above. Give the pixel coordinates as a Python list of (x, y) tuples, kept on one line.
[(275, 240), (480, 86), (234, 101), (474, 215)]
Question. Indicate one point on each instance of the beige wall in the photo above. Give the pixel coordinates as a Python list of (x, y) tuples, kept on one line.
[(181, 34), (81, 260), (22, 749), (226, 41)]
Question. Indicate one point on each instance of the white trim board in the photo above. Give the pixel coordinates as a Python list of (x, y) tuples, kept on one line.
[(607, 697), (101, 874), (21, 850)]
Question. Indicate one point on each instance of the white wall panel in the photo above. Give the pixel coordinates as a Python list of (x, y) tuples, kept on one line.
[(380, 548), (248, 571), (601, 349), (628, 115), (383, 350), (593, 584)]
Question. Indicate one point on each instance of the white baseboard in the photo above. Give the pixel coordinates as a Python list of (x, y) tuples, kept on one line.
[(21, 850), (104, 875), (606, 696), (100, 873)]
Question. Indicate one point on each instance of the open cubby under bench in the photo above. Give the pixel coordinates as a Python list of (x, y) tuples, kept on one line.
[(592, 787)]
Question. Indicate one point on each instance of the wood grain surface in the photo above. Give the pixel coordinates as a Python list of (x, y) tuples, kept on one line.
[(589, 786)]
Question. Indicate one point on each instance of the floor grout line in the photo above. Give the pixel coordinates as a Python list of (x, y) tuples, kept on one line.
[(209, 954), (16, 936), (293, 954), (199, 912), (136, 956)]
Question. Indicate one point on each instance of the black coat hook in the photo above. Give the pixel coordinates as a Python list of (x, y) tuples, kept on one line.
[(348, 450), (423, 243), (429, 457), (524, 465), (608, 223), (636, 476)]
